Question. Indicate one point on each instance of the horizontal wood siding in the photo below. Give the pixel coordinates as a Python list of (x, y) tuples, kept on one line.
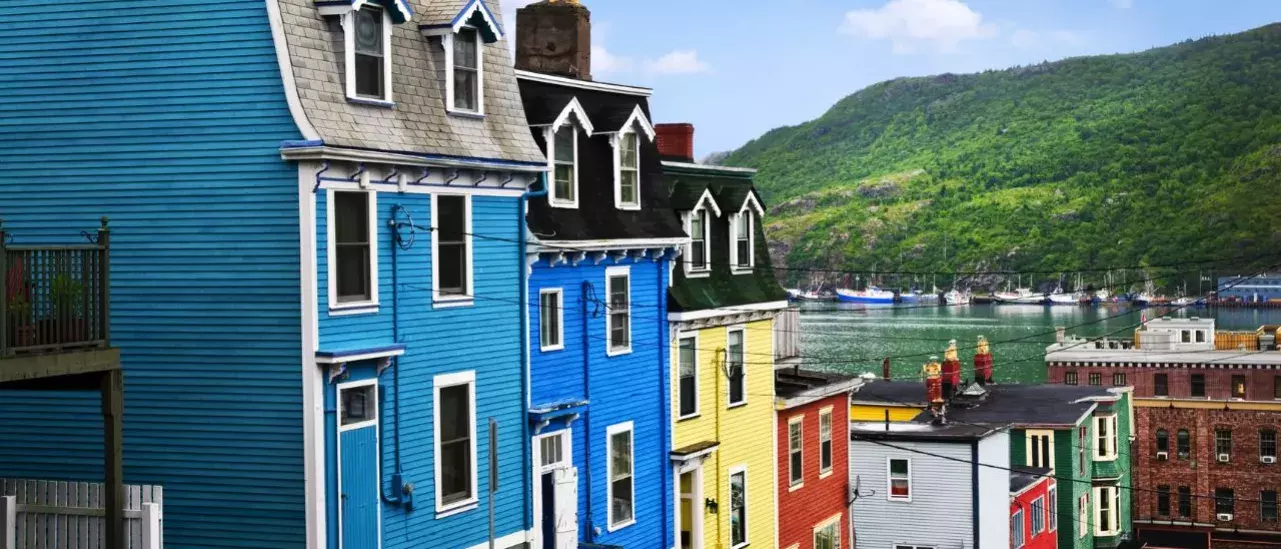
[(166, 117), (941, 512), (626, 387), (483, 337)]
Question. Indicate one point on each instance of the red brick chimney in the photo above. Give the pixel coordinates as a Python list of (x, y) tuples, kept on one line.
[(555, 37), (675, 141)]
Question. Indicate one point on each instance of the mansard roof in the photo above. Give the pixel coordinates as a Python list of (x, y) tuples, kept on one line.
[(596, 218), (454, 14), (417, 124)]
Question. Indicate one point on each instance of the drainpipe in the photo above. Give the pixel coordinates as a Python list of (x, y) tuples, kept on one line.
[(523, 241), (663, 401), (397, 476), (585, 290)]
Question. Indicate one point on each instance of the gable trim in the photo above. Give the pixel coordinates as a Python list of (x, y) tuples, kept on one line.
[(575, 108), (710, 200)]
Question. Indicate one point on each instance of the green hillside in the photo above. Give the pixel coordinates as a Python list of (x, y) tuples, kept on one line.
[(1168, 155)]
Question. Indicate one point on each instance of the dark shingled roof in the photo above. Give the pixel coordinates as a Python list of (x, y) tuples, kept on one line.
[(1044, 404), (921, 431), (596, 218), (1022, 477), (902, 393), (795, 386), (722, 288)]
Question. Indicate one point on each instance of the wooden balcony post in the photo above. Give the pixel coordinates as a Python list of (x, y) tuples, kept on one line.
[(104, 280), (4, 293), (112, 388)]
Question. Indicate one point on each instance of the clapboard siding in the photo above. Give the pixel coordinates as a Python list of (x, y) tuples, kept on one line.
[(166, 117), (626, 387), (483, 337), (941, 492)]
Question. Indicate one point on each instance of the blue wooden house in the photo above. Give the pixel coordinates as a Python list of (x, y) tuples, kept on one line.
[(317, 212), (602, 241)]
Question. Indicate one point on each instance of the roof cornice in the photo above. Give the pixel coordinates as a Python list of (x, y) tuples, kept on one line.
[(707, 168), (583, 84)]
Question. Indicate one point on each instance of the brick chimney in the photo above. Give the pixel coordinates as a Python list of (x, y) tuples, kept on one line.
[(675, 142), (555, 37)]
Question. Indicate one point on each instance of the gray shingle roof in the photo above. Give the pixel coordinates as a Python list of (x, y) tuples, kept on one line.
[(1046, 404), (418, 124)]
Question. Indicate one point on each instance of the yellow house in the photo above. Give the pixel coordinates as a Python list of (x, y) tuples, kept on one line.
[(722, 306)]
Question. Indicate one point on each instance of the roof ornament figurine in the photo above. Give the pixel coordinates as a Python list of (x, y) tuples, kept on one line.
[(951, 370), (983, 363)]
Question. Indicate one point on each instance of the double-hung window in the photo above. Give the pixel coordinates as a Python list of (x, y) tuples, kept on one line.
[(1163, 441), (621, 484), (455, 437), (451, 247), (618, 287), (368, 39), (1105, 437), (1197, 385), (1276, 387), (551, 319), (353, 249), (734, 367), (742, 252), (1185, 501), (1163, 500), (737, 507), (1017, 530), (1082, 516), (1161, 385), (1038, 516), (698, 229), (1223, 444), (1107, 508), (1096, 378), (824, 441), (1267, 443), (1040, 449), (1118, 379), (1224, 501), (1069, 378), (466, 77), (565, 163), (1052, 503), (1238, 386), (688, 374), (628, 170), (900, 479), (1268, 505), (1184, 444), (828, 534), (795, 452)]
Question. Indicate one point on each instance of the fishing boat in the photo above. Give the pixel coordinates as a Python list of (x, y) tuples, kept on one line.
[(1021, 296), (956, 297), (871, 295), (1059, 297), (793, 294)]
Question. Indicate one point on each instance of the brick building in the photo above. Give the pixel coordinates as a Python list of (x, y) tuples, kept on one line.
[(813, 458), (1207, 413)]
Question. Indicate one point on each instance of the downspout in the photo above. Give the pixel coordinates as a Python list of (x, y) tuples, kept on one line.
[(716, 399), (523, 240), (584, 289), (397, 476), (663, 401)]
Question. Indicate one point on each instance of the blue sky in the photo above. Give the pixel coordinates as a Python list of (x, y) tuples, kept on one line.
[(737, 68)]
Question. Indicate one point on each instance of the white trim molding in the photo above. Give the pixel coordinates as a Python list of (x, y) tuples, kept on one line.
[(444, 381), (369, 424), (447, 41), (467, 298), (797, 421), (296, 111), (314, 453), (610, 273), (618, 428), (583, 84), (729, 382), (686, 316), (354, 307), (560, 319), (740, 469), (549, 137), (681, 336), (349, 48), (889, 479)]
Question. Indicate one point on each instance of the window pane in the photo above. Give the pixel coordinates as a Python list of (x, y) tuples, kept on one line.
[(451, 218), (1162, 441), (455, 443), (1238, 386), (465, 94), (455, 412), (368, 53), (1198, 385), (465, 49), (744, 253), (351, 217), (1224, 501), (452, 268), (565, 144), (353, 273), (688, 377), (564, 182), (744, 223), (620, 476), (627, 152), (1163, 500), (627, 190), (1161, 385), (550, 308), (352, 245), (1185, 445), (358, 404), (1268, 505), (1267, 443), (734, 359), (698, 254), (1185, 501), (738, 508), (794, 441)]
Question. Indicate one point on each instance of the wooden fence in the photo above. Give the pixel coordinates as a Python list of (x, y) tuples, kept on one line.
[(40, 514)]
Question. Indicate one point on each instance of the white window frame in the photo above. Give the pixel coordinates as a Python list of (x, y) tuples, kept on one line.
[(625, 427), (1030, 442), (697, 376), (889, 479), (610, 273), (797, 421), (351, 307), (728, 380), (1052, 509), (1109, 440), (747, 505), (377, 440), (1083, 515), (553, 199), (750, 206), (637, 121), (560, 319), (1112, 497), (439, 382), (442, 301), (566, 450), (349, 48), (447, 40), (705, 204), (826, 412), (1016, 522), (833, 522), (1035, 517)]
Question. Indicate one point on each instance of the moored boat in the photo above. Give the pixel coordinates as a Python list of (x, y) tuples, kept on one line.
[(871, 295)]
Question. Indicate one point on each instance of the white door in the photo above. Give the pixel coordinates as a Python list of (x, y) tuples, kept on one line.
[(566, 482)]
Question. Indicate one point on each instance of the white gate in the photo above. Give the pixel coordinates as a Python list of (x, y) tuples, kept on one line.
[(45, 514)]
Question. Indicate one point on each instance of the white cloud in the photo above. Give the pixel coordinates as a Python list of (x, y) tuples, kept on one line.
[(604, 62), (912, 24), (677, 62)]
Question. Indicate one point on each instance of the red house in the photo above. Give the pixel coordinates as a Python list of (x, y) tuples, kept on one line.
[(1033, 522), (813, 458)]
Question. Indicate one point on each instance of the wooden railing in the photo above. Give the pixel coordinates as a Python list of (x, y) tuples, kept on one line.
[(787, 334), (54, 298), (39, 514)]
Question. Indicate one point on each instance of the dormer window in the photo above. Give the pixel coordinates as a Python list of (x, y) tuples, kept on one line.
[(466, 71), (743, 241), (742, 256), (629, 171), (564, 190), (368, 46), (698, 241)]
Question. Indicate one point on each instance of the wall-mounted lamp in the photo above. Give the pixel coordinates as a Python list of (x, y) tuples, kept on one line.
[(711, 505)]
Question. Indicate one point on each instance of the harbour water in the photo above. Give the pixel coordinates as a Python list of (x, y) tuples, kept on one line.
[(855, 338)]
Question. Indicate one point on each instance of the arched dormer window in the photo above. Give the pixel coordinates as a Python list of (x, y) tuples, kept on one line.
[(463, 36), (561, 137), (742, 256), (627, 159), (698, 225)]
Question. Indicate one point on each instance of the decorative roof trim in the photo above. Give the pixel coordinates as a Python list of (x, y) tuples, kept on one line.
[(752, 201), (576, 108), (707, 167), (583, 84), (707, 197), (491, 31), (400, 10), (609, 244), (317, 150), (638, 118), (709, 313)]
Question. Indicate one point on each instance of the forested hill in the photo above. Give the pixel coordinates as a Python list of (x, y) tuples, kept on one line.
[(1172, 154)]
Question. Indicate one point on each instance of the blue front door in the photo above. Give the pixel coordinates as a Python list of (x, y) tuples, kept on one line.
[(358, 464)]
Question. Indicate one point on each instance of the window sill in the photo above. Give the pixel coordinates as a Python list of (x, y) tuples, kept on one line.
[(742, 271), (349, 309), (370, 102), (736, 405), (795, 487), (741, 545), (618, 352), (698, 274), (452, 302), (553, 348), (620, 526), (899, 500), (474, 115), (695, 415), (824, 475), (628, 207), (457, 508)]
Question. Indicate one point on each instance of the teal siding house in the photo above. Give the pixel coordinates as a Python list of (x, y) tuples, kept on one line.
[(317, 212)]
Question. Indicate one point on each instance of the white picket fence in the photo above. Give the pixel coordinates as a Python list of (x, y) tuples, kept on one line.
[(45, 514)]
